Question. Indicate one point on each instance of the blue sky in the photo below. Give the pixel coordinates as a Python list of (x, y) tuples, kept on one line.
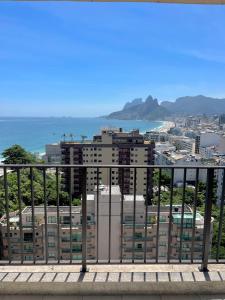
[(88, 59)]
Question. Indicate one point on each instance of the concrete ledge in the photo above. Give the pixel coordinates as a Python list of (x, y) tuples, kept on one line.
[(114, 283)]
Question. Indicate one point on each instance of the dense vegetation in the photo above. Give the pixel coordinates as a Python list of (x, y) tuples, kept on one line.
[(17, 155)]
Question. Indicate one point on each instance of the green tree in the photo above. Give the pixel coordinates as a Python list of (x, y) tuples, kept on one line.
[(18, 155)]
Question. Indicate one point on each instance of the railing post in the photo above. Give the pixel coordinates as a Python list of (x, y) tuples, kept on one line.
[(84, 221), (207, 220)]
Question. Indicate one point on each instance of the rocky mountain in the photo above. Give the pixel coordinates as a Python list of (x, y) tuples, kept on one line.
[(141, 110), (195, 105), (150, 109), (133, 103)]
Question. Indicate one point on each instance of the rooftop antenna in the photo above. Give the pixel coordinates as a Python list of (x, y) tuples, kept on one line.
[(71, 135), (83, 137), (64, 137)]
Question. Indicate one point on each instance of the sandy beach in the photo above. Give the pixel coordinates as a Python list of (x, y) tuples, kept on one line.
[(166, 126)]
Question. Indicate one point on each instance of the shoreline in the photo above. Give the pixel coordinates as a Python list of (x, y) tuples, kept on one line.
[(165, 127), (41, 150)]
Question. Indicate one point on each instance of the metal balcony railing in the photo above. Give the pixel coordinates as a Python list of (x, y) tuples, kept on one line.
[(159, 225)]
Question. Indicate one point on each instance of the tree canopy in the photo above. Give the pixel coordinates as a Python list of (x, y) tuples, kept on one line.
[(18, 155)]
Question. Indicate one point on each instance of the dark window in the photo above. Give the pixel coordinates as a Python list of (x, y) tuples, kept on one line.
[(28, 237)]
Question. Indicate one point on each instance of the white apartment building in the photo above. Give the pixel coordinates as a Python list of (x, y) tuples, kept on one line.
[(181, 158), (183, 143), (52, 154), (164, 146), (156, 136), (126, 228)]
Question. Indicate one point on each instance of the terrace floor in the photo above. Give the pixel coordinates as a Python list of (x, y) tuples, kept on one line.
[(108, 282)]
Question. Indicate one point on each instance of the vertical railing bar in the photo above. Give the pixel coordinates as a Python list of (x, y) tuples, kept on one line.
[(45, 216), (170, 215), (221, 218), (158, 215), (97, 231), (194, 214), (146, 216), (134, 215), (58, 217), (70, 211), (33, 212), (7, 213), (121, 217), (20, 213), (182, 214), (84, 220), (110, 211), (207, 220)]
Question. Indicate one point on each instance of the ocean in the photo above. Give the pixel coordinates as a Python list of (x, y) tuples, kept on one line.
[(34, 133)]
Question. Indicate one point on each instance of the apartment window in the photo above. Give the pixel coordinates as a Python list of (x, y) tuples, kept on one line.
[(52, 219), (6, 234), (162, 244), (162, 255), (66, 220), (128, 218), (28, 237), (138, 235), (139, 246), (162, 233), (28, 257), (51, 255), (51, 244), (29, 219)]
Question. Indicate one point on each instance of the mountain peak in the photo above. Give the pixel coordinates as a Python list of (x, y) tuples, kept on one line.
[(132, 103)]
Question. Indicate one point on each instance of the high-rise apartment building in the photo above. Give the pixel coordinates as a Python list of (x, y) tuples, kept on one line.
[(113, 147)]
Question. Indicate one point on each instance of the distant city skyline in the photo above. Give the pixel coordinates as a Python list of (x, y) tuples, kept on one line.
[(88, 59)]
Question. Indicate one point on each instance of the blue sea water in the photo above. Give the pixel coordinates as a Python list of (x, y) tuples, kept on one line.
[(34, 133)]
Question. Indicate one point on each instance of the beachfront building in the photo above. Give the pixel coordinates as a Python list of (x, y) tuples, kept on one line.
[(183, 143), (113, 147), (52, 154), (120, 234), (180, 158)]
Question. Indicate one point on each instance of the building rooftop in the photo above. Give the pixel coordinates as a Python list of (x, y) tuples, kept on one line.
[(51, 209)]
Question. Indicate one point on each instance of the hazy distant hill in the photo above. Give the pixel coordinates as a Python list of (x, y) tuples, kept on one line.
[(141, 110), (195, 105), (150, 109)]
